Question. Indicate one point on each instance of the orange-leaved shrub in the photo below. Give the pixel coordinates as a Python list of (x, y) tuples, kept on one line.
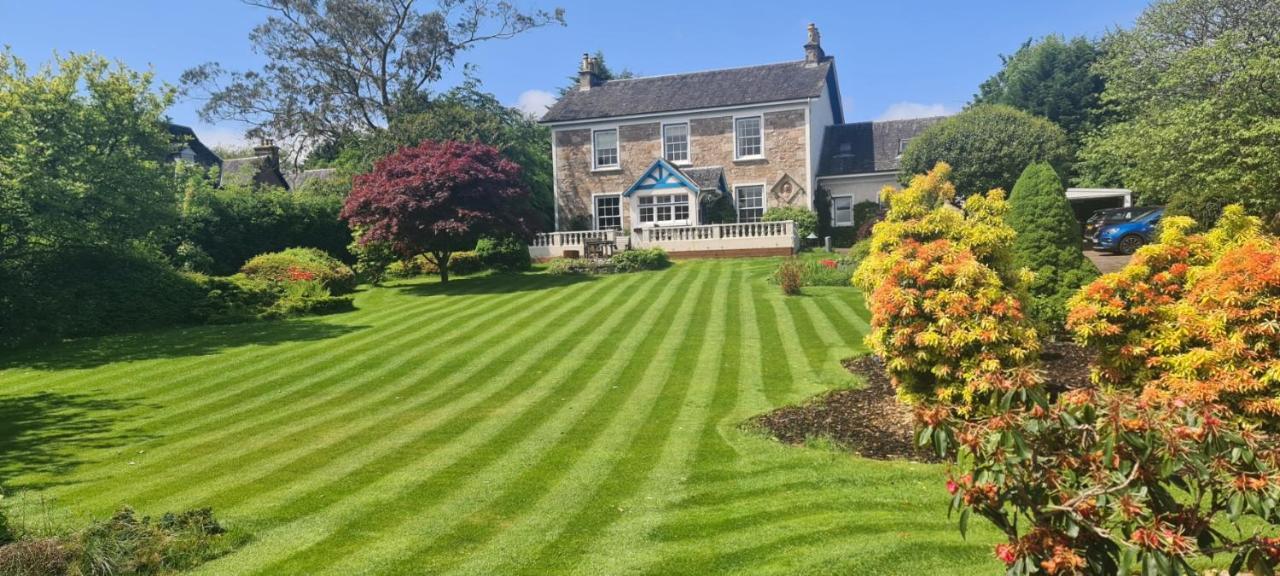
[(1192, 318), (948, 309), (1160, 463)]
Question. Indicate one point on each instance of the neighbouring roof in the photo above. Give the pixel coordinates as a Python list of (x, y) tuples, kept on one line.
[(863, 147), (694, 91), (706, 177), (242, 171), (182, 137), (297, 180)]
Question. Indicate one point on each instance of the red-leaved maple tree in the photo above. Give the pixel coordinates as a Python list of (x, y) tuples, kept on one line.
[(440, 197)]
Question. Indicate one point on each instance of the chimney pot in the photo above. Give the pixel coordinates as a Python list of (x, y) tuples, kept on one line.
[(813, 53), (588, 72)]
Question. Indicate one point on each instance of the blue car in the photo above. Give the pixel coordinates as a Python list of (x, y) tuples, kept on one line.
[(1125, 235)]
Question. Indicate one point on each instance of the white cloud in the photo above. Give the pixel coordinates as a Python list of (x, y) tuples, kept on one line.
[(535, 102), (902, 110)]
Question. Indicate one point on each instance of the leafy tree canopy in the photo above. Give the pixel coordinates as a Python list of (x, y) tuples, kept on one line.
[(987, 146), (342, 66), (1048, 243), (438, 198), (1197, 85), (1053, 78), (465, 114), (82, 145)]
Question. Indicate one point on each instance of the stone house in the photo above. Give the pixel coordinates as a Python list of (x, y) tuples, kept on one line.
[(641, 154)]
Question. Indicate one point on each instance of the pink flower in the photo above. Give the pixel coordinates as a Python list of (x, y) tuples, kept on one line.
[(952, 487)]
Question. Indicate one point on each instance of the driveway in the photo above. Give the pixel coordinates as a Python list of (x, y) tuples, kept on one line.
[(1106, 261)]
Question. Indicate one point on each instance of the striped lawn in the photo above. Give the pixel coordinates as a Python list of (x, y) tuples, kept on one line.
[(501, 425)]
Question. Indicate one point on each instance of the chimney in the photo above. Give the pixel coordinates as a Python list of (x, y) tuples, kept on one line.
[(813, 53), (269, 149), (588, 72)]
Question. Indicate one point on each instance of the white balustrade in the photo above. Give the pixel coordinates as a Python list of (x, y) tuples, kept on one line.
[(683, 239)]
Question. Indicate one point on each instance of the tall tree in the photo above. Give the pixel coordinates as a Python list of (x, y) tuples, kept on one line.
[(987, 146), (438, 198), (82, 144), (1053, 78), (605, 72), (342, 66), (1197, 85), (466, 114)]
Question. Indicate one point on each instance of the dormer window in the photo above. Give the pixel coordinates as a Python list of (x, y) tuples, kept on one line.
[(604, 146), (675, 142), (902, 145), (748, 137)]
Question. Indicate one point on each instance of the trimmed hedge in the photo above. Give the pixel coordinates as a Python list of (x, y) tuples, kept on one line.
[(302, 264), (622, 262), (806, 221), (91, 291)]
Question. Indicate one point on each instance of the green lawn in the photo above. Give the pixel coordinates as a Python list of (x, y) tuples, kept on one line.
[(518, 425)]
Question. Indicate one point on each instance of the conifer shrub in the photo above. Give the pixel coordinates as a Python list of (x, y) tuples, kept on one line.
[(1048, 243)]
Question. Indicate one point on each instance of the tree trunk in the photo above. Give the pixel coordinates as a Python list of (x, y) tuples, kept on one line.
[(442, 264)]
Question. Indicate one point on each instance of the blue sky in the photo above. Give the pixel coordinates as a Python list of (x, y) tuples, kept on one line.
[(894, 57)]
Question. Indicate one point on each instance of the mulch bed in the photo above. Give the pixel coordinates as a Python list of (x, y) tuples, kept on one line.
[(872, 423)]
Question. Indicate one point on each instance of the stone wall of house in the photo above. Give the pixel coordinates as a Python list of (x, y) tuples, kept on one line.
[(711, 143)]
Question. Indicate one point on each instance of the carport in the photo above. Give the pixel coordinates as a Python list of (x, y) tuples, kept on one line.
[(1086, 201)]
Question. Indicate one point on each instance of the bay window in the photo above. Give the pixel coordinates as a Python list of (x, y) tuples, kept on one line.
[(669, 209)]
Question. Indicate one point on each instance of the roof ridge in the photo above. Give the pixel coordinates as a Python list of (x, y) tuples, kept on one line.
[(709, 71)]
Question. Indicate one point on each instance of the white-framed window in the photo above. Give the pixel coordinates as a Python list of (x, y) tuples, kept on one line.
[(608, 212), (842, 210), (902, 145), (750, 202), (748, 137), (664, 209), (675, 142), (604, 148)]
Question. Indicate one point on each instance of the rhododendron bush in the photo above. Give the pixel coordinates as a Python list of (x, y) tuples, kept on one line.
[(1166, 461)]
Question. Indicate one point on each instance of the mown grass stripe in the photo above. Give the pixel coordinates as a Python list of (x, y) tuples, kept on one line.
[(209, 429), (141, 370), (537, 511), (379, 488), (324, 445), (615, 549), (342, 401), (548, 447)]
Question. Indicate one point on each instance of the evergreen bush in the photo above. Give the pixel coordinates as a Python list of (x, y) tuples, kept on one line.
[(300, 265), (806, 221), (1048, 243), (504, 254)]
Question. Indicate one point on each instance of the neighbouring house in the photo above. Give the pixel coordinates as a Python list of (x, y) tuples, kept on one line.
[(186, 147), (262, 168), (859, 160), (653, 161)]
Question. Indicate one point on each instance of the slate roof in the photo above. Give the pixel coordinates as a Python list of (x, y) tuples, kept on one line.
[(242, 171), (299, 179), (863, 147), (706, 177), (181, 137), (697, 90)]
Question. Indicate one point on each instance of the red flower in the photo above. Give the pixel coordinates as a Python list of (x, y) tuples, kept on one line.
[(1006, 554), (952, 487), (829, 264)]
